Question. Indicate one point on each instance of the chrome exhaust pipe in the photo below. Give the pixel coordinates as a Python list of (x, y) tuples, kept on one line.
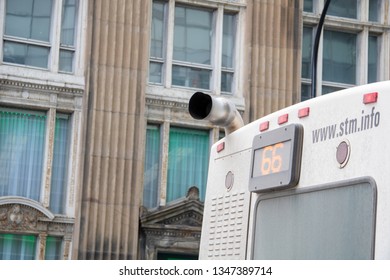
[(217, 110)]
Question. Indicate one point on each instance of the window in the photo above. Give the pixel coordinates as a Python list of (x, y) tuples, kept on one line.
[(186, 157), (24, 247), (17, 247), (352, 51), (22, 156), (191, 46), (60, 164), (53, 248), (339, 57), (308, 5), (343, 8), (197, 49), (187, 161), (328, 222), (30, 34), (152, 166), (373, 53), (22, 142), (68, 32)]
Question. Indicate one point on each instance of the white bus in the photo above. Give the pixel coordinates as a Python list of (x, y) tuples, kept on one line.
[(311, 181)]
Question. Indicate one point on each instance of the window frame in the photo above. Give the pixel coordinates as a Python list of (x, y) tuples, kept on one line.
[(38, 241), (52, 72), (318, 188), (218, 9), (48, 152), (363, 28), (164, 130)]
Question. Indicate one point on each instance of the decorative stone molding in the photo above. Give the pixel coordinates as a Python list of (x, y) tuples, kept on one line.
[(23, 215), (158, 102), (174, 227), (29, 203), (25, 86)]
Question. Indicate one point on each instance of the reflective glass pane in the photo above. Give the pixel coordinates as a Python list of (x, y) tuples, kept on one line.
[(152, 166), (69, 15), (305, 92), (30, 19), (374, 9), (308, 5), (66, 61), (192, 35), (191, 77), (331, 223), (372, 59), (226, 82), (343, 8), (329, 89), (307, 42), (60, 165), (228, 39), (155, 72), (157, 33), (339, 57), (53, 248), (25, 54)]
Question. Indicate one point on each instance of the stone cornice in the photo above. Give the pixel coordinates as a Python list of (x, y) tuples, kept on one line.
[(172, 231), (158, 102), (21, 85)]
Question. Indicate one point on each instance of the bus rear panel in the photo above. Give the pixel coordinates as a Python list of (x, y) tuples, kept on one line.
[(306, 182)]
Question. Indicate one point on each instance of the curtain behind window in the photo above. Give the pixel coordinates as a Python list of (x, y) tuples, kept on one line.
[(187, 162), (53, 248), (60, 165), (152, 166), (17, 247), (22, 139)]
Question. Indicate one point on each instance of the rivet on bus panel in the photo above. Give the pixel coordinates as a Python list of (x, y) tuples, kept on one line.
[(283, 119), (369, 98), (264, 126), (304, 112), (220, 147)]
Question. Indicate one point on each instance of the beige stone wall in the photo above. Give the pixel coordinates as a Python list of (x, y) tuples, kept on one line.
[(114, 112), (274, 35)]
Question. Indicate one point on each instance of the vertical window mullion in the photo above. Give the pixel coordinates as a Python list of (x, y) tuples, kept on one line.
[(55, 37), (48, 154), (216, 51), (2, 22), (165, 127), (362, 57), (169, 49)]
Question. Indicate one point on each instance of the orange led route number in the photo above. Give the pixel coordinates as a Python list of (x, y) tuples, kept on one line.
[(271, 160)]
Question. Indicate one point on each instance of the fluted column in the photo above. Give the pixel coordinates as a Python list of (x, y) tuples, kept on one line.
[(118, 59), (275, 40)]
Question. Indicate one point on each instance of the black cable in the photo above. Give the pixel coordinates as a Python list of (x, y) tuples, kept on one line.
[(315, 51)]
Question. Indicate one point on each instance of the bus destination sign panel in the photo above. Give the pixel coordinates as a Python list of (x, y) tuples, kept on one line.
[(276, 159)]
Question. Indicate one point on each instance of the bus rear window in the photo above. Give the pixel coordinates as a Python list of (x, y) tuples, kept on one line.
[(335, 221)]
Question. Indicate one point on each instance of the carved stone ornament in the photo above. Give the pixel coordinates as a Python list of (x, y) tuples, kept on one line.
[(18, 214), (15, 216)]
